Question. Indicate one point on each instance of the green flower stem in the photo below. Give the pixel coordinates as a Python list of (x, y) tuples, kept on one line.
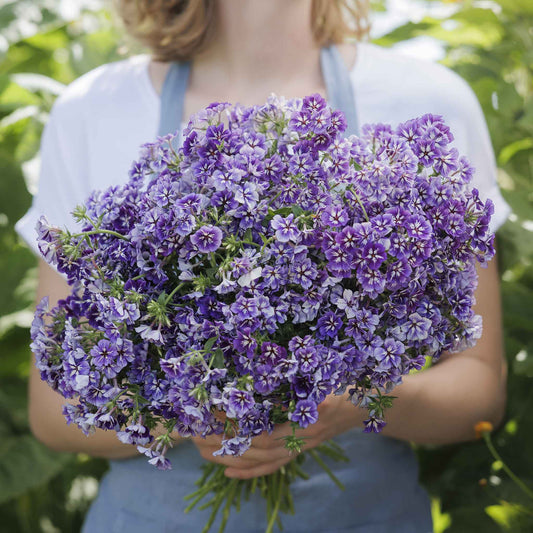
[(99, 231), (318, 459), (275, 489), (233, 487), (174, 291), (510, 473), (277, 501)]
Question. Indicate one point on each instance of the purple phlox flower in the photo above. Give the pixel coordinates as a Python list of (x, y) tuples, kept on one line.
[(305, 413), (371, 280), (417, 328), (301, 121), (216, 133), (334, 215), (238, 402), (124, 351), (329, 324), (235, 446), (301, 162), (183, 221), (410, 131), (420, 250), (373, 255), (307, 358), (241, 265), (273, 276), (192, 202), (313, 103), (265, 381), (135, 434), (348, 238), (348, 302), (265, 309), (338, 122), (48, 240), (245, 308), (207, 239), (339, 259), (104, 356), (426, 150), (418, 227), (389, 354), (304, 272), (77, 369), (247, 194), (367, 320), (285, 228), (364, 232), (173, 367), (373, 424), (416, 363), (297, 342), (286, 367), (398, 274), (383, 224), (123, 311), (226, 285), (224, 200), (150, 333), (160, 461), (271, 353), (244, 341)]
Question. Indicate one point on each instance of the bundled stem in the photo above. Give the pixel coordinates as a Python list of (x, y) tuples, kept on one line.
[(227, 493)]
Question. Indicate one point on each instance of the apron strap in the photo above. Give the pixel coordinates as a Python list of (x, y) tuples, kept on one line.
[(172, 97), (340, 93), (339, 86)]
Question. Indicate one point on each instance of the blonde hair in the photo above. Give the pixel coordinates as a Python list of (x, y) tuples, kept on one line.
[(176, 30)]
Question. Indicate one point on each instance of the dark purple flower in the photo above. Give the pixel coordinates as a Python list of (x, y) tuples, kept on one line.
[(207, 239), (304, 413), (285, 228)]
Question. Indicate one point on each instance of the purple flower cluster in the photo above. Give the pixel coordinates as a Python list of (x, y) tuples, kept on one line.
[(265, 264)]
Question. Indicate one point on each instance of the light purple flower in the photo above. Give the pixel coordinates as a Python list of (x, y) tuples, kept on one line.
[(207, 239)]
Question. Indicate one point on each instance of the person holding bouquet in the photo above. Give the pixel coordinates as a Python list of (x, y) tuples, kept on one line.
[(242, 52)]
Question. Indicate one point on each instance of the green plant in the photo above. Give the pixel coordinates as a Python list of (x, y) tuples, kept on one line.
[(490, 44)]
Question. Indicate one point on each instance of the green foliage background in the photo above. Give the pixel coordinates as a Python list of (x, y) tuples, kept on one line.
[(490, 44)]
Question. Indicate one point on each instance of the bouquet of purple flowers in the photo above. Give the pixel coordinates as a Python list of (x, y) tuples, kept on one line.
[(266, 263)]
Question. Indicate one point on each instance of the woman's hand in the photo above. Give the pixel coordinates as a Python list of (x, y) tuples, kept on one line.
[(268, 453)]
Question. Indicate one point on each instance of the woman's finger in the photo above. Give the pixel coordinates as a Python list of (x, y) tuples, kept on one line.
[(260, 470)]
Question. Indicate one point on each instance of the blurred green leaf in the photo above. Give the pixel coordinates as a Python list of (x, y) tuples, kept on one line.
[(511, 517), (509, 151), (24, 464)]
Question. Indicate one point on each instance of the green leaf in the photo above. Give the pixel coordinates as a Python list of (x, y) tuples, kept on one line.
[(511, 517), (509, 151), (209, 343), (25, 464), (218, 359)]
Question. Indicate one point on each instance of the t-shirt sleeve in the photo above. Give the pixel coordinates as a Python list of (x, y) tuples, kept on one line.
[(394, 88), (471, 137), (62, 177)]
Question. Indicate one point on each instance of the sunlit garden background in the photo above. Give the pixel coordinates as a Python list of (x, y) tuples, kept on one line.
[(45, 44)]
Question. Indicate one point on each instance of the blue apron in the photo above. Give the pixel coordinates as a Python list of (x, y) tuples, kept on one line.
[(382, 493)]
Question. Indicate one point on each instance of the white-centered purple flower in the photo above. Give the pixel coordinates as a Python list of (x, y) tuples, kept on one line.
[(285, 227), (207, 239), (305, 413), (269, 261)]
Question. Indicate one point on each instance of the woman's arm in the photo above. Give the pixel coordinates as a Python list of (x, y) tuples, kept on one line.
[(442, 404), (439, 405), (47, 422)]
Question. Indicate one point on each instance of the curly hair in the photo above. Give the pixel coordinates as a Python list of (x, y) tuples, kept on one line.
[(176, 30)]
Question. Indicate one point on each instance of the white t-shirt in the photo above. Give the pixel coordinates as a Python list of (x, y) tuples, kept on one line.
[(99, 122)]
